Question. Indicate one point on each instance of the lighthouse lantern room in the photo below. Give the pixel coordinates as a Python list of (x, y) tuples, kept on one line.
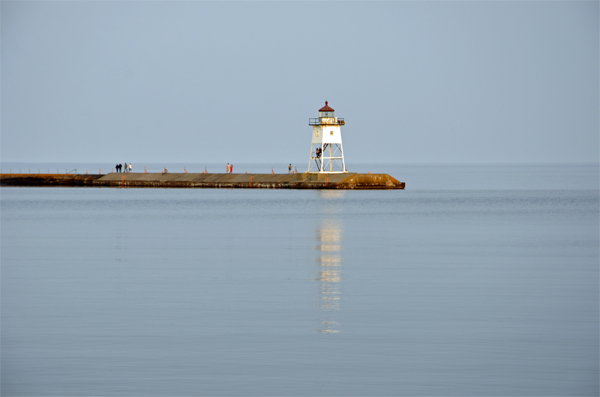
[(326, 151)]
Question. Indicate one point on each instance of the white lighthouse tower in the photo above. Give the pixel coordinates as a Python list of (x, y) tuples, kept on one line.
[(326, 151)]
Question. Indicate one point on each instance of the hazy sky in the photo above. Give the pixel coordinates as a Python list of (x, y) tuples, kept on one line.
[(417, 82)]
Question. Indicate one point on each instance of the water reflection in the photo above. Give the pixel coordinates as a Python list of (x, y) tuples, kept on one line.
[(329, 244)]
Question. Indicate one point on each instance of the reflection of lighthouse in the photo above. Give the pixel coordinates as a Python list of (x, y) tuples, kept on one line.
[(329, 237)]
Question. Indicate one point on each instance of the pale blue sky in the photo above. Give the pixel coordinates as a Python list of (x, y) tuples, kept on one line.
[(197, 82)]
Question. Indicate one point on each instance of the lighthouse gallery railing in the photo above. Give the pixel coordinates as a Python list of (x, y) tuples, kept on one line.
[(326, 121)]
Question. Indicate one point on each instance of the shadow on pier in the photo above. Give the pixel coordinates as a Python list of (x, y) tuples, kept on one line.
[(205, 180)]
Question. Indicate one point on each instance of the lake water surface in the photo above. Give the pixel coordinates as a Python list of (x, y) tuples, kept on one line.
[(472, 281)]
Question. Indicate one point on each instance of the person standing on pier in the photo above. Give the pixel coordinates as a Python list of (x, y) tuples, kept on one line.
[(227, 168), (130, 167), (289, 169)]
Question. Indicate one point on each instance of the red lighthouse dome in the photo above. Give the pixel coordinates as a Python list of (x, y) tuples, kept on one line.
[(326, 108)]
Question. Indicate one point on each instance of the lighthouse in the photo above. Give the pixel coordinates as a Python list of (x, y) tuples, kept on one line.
[(326, 151)]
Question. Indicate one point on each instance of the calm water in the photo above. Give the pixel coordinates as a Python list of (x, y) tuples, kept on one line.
[(473, 281)]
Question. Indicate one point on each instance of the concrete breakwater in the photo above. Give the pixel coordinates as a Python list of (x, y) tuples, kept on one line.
[(214, 181)]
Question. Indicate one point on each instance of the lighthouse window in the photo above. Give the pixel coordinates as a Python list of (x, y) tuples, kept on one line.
[(331, 133)]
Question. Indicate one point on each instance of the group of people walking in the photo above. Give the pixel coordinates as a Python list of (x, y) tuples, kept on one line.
[(228, 168), (124, 167)]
